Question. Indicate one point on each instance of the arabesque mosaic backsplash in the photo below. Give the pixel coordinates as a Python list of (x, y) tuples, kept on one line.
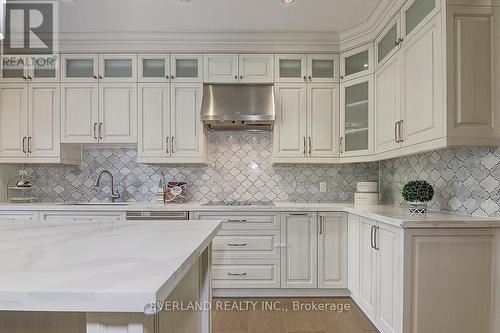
[(465, 180), (240, 169)]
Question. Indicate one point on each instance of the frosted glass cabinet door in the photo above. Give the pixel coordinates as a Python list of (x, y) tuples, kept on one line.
[(12, 71), (187, 68), (322, 67), (356, 117), (117, 68), (416, 13), (290, 68), (388, 42), (356, 63), (80, 68), (45, 68), (154, 68)]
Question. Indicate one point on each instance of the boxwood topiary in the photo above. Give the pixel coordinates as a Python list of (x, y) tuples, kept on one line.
[(418, 191)]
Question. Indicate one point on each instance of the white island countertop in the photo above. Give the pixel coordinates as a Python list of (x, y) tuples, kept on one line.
[(96, 266)]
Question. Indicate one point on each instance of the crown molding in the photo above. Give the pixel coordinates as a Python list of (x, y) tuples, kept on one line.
[(199, 42)]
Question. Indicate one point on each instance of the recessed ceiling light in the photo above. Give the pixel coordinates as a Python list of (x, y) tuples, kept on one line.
[(287, 2)]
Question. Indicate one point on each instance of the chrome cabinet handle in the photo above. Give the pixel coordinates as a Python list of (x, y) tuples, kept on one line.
[(29, 144), (166, 141), (305, 146), (237, 274), (299, 214), (396, 132), (341, 144), (100, 131), (375, 235), (371, 236), (321, 221), (310, 146), (24, 145), (400, 130), (172, 146), (237, 221), (236, 244), (95, 131)]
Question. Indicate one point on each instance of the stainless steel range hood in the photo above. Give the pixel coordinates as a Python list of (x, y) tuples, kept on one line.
[(238, 107)]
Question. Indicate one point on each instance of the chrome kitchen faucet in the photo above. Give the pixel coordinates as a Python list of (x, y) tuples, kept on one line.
[(114, 194)]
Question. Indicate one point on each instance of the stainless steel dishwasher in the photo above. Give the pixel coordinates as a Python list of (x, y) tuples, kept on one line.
[(156, 216)]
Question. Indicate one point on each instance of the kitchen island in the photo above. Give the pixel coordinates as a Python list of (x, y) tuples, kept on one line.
[(104, 276)]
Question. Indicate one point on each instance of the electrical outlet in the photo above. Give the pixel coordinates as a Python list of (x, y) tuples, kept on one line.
[(322, 187)]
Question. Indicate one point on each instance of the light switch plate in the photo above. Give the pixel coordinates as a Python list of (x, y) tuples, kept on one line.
[(322, 187)]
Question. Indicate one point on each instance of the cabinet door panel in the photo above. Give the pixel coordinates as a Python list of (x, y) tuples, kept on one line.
[(353, 250), (368, 270), (187, 131), (80, 112), (387, 105), (187, 67), (118, 113), (332, 251), (118, 68), (422, 107), (154, 120), (290, 68), (256, 68), (221, 68), (386, 45), (13, 69), (299, 257), (323, 67), (289, 133), (356, 63), (416, 13), (323, 120), (80, 68), (389, 277), (154, 68), (44, 120), (13, 119)]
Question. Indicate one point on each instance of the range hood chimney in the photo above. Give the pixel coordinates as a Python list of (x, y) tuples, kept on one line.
[(238, 107)]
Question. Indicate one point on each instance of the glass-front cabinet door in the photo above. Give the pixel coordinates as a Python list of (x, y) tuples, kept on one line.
[(290, 68), (118, 68), (154, 67), (187, 68), (322, 67), (356, 117), (356, 63), (417, 13), (44, 68), (80, 67), (388, 42), (13, 69)]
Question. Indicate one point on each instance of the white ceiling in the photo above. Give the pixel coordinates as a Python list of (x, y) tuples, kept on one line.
[(212, 15)]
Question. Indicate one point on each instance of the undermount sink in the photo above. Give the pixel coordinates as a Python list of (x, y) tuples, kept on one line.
[(96, 204)]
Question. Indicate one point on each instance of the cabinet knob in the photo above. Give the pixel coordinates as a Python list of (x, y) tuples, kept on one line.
[(25, 77), (305, 78), (342, 77), (100, 76), (95, 77), (167, 77), (310, 78), (236, 77), (172, 77), (241, 77)]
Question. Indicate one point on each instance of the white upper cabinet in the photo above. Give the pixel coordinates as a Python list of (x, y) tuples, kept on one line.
[(117, 68), (322, 120), (290, 68), (256, 68), (356, 117), (422, 97), (220, 68), (154, 68), (29, 68), (387, 106), (417, 13), (117, 113), (186, 68), (388, 42), (356, 63), (80, 67), (11, 71), (80, 112), (187, 134), (13, 120), (323, 68), (290, 130)]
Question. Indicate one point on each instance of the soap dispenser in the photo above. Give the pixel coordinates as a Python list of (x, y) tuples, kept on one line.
[(160, 192)]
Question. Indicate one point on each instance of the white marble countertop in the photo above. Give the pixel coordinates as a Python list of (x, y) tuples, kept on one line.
[(96, 266), (392, 214)]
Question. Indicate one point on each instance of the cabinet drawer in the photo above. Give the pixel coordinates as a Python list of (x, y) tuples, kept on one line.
[(246, 244), (242, 221), (82, 216), (17, 216), (250, 274)]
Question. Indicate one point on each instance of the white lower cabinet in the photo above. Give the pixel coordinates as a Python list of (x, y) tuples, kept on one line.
[(332, 250), (170, 129), (80, 216), (375, 271), (299, 253)]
